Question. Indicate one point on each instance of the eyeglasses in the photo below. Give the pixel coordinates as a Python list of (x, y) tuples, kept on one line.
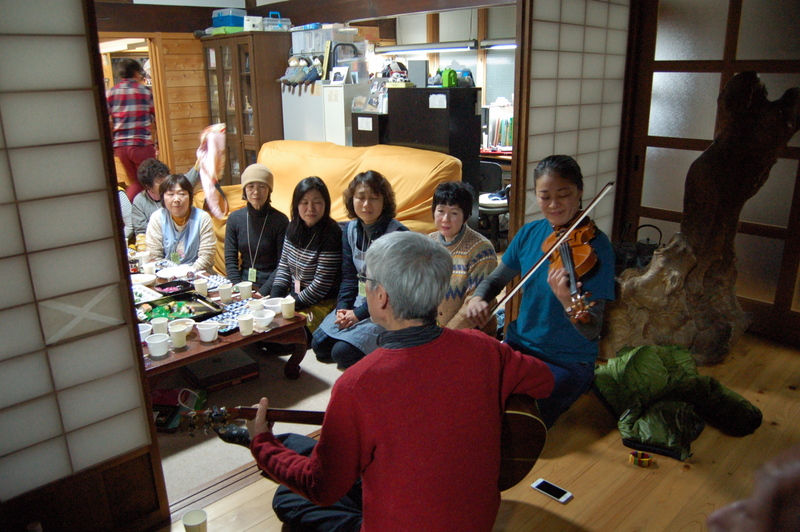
[(363, 279)]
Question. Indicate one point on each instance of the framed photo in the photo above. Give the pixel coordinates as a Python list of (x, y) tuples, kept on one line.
[(339, 75)]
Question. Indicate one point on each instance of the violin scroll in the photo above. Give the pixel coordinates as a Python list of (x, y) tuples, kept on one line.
[(578, 312)]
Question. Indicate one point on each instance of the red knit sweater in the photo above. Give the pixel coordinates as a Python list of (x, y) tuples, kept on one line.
[(421, 427)]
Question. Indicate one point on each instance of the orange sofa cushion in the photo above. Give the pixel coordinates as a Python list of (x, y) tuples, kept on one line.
[(414, 175)]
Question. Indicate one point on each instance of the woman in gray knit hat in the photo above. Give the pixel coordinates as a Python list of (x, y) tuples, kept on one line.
[(254, 233)]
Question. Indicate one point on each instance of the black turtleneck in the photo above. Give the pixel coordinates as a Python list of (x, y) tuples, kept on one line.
[(249, 222)]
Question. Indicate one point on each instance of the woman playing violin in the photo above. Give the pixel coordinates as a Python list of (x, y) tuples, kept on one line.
[(543, 328)]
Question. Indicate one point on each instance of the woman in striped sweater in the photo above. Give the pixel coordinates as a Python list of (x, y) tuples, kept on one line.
[(310, 269)]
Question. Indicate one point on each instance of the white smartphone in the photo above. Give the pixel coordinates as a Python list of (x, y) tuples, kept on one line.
[(551, 490)]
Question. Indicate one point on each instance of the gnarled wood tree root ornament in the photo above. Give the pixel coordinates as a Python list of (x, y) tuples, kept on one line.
[(686, 296)]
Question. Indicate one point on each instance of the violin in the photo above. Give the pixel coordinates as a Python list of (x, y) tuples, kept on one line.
[(568, 232), (577, 257)]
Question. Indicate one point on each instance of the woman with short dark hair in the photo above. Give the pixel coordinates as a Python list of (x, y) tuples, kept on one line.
[(348, 335), (179, 231), (473, 255)]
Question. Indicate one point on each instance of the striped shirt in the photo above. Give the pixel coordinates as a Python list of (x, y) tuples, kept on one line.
[(130, 105), (318, 266)]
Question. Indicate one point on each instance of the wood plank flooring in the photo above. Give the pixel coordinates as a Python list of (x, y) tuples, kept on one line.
[(585, 455)]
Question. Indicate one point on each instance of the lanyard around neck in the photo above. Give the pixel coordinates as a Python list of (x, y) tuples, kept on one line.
[(258, 244)]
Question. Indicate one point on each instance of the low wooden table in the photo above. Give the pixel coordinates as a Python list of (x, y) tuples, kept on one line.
[(281, 331)]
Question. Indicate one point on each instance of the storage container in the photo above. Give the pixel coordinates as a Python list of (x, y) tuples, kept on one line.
[(228, 17), (274, 22), (313, 41)]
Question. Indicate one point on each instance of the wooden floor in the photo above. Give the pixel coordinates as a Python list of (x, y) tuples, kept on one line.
[(585, 455)]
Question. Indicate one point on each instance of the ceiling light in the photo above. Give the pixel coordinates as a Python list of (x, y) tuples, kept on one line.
[(433, 48), (498, 44)]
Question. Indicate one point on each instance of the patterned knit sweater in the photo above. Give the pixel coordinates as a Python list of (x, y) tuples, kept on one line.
[(473, 260)]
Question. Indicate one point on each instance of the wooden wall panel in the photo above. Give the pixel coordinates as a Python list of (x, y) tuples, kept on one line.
[(183, 90)]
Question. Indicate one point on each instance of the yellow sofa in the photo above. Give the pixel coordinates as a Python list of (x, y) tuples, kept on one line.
[(414, 175)]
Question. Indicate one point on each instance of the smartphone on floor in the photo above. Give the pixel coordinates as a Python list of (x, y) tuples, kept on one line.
[(551, 490)]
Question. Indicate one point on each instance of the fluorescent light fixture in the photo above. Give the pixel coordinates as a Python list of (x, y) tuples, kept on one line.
[(432, 48), (498, 44)]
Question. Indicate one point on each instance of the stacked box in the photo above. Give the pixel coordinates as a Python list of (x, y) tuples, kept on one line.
[(228, 17)]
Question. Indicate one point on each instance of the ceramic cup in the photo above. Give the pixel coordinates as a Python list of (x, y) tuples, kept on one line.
[(177, 333), (255, 305), (143, 257), (245, 289), (287, 307), (150, 268), (208, 331), (158, 344), (195, 521), (225, 291), (159, 325), (201, 287), (245, 324), (145, 330)]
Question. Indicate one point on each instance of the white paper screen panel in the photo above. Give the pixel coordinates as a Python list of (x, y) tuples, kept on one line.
[(67, 359), (577, 70)]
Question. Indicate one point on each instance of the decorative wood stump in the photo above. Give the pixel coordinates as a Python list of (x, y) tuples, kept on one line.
[(686, 296)]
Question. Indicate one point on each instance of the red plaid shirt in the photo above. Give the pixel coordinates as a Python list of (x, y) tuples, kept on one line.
[(130, 105)]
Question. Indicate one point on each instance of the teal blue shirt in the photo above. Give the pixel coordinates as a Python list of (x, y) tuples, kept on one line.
[(542, 326)]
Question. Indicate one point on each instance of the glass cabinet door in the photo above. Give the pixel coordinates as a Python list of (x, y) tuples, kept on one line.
[(246, 89), (230, 90), (213, 85)]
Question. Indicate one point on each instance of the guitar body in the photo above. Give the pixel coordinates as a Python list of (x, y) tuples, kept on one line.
[(522, 438)]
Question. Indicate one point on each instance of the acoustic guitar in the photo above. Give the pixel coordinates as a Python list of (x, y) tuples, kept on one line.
[(522, 437)]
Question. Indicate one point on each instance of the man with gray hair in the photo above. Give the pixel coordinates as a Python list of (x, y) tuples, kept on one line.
[(413, 429)]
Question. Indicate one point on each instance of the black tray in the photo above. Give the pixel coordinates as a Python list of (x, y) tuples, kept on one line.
[(203, 307), (173, 288)]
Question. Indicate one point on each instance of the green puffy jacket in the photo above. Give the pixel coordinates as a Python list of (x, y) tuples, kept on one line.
[(663, 404)]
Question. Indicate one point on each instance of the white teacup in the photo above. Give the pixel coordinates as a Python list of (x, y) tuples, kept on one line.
[(225, 292), (195, 521), (159, 325), (287, 307), (145, 330), (245, 324), (177, 333), (208, 331), (158, 344), (245, 289), (255, 305), (201, 287)]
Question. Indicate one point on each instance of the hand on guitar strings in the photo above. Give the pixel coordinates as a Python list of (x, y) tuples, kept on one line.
[(260, 424)]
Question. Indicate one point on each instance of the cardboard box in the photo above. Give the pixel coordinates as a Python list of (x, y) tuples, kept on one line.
[(369, 33), (253, 24), (221, 371)]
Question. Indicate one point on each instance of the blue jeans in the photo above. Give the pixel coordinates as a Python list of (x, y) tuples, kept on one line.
[(572, 381), (304, 516)]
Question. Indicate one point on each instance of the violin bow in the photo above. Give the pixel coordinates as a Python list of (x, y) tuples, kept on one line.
[(563, 238)]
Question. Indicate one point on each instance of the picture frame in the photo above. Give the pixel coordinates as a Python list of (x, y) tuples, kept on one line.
[(339, 75)]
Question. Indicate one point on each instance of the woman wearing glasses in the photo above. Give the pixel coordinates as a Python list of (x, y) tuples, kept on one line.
[(178, 231), (254, 234), (348, 335), (310, 269)]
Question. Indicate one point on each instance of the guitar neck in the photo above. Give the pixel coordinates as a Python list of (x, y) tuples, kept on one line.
[(303, 417)]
